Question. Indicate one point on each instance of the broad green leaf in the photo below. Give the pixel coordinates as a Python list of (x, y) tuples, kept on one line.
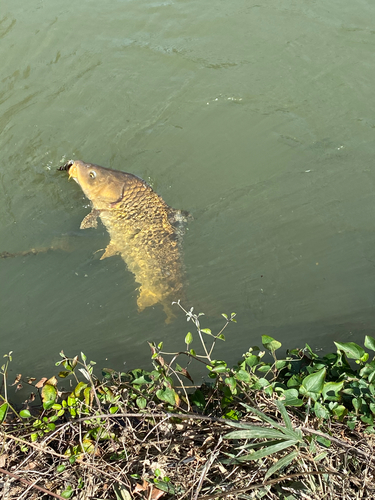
[(264, 368), (252, 360), (331, 391), (243, 375), (144, 379), (218, 368), (3, 412), (47, 405), (67, 493), (168, 395), (206, 330), (270, 343), (121, 492), (283, 462), (370, 342), (49, 394), (60, 468), (324, 441), (78, 389), (340, 412), (141, 402), (314, 382), (280, 364), (320, 410), (291, 398), (188, 338), (198, 399), (268, 450), (352, 350)]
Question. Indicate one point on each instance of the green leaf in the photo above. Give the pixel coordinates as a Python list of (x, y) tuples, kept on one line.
[(340, 412), (141, 402), (370, 342), (282, 462), (270, 343), (24, 413), (60, 468), (284, 414), (144, 379), (34, 437), (67, 493), (314, 382), (264, 368), (291, 398), (352, 350), (320, 410), (243, 375), (255, 432), (78, 389), (324, 441), (168, 395), (267, 450), (3, 412), (231, 383), (49, 394), (218, 366), (197, 399), (121, 492), (331, 391), (188, 338), (206, 330), (47, 405)]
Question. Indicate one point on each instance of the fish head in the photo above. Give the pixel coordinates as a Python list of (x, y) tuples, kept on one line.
[(104, 187)]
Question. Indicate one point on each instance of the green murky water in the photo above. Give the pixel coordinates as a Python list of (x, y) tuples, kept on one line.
[(257, 117)]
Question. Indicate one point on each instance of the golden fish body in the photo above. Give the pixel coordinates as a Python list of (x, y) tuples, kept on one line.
[(143, 229)]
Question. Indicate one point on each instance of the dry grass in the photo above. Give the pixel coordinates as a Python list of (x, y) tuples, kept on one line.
[(191, 451)]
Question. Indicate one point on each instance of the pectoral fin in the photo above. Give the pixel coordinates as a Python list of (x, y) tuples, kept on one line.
[(110, 251), (90, 220)]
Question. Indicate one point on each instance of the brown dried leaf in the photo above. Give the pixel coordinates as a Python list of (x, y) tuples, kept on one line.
[(186, 374), (52, 381), (19, 386), (156, 493), (141, 487), (17, 379), (32, 397), (30, 380), (3, 459), (41, 382)]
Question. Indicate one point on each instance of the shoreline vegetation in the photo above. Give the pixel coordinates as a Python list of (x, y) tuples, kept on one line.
[(299, 426)]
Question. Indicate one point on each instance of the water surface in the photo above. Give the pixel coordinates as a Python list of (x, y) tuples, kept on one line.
[(256, 117)]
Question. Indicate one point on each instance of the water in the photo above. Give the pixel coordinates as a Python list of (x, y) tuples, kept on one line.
[(257, 118)]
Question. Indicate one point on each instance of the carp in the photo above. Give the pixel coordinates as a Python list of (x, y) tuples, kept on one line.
[(143, 230)]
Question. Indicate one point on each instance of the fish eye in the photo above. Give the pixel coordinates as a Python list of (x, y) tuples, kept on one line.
[(92, 174)]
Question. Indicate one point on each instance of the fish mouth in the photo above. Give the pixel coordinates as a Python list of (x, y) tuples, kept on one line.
[(68, 167)]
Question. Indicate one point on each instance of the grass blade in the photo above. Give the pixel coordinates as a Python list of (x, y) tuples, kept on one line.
[(268, 450), (283, 462)]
